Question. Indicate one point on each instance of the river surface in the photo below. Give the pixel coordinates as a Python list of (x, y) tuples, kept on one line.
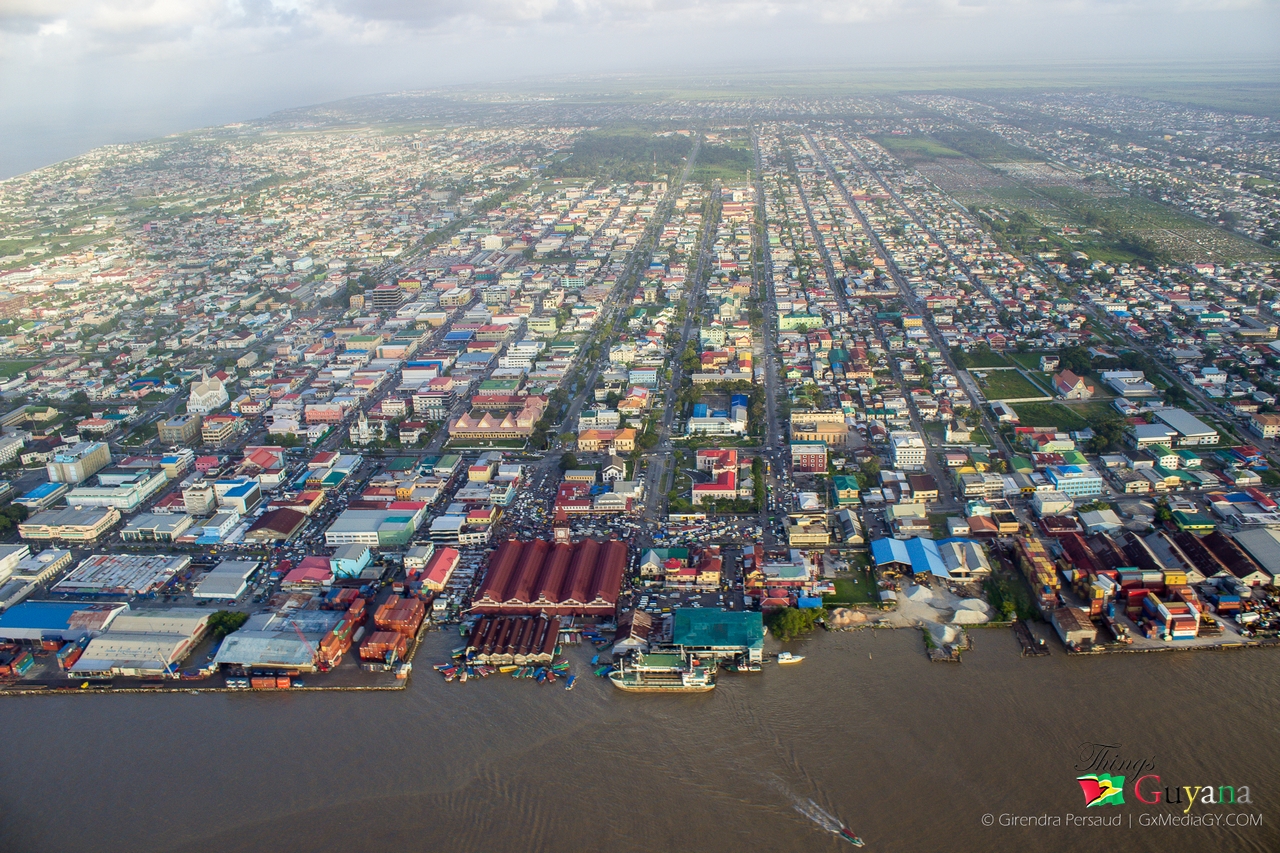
[(910, 754)]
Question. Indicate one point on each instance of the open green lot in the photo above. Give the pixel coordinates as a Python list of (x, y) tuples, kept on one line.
[(1029, 360), (10, 369), (1049, 415), (987, 358), (730, 163), (916, 147), (857, 588), (1005, 385)]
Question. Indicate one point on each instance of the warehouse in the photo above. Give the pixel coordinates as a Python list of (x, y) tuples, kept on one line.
[(122, 574), (228, 580), (144, 642), (580, 579), (30, 573), (1191, 430), (68, 621), (276, 525), (272, 641), (390, 527)]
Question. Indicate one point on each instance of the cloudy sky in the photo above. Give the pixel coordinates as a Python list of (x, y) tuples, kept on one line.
[(80, 73)]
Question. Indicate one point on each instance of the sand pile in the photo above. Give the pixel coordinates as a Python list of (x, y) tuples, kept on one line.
[(843, 617)]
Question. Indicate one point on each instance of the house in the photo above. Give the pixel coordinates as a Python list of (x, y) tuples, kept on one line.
[(1071, 387)]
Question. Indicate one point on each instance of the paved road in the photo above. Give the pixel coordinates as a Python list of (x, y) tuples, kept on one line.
[(901, 281), (774, 452), (660, 469)]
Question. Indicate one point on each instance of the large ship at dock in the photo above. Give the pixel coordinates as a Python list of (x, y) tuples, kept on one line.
[(664, 673)]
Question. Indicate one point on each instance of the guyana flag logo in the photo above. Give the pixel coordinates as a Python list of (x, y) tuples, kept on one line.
[(1102, 789)]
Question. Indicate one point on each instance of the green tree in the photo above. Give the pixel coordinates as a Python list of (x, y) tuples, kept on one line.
[(568, 461), (1076, 359), (791, 622), (1176, 395), (225, 622), (1108, 433)]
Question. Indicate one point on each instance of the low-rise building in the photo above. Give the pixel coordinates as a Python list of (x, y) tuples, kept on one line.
[(69, 524)]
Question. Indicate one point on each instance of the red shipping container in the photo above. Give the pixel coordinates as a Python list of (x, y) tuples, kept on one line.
[(282, 681)]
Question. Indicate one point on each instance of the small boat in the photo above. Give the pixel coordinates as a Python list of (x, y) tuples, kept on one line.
[(540, 676), (847, 835), (787, 657), (441, 667), (508, 669), (595, 659), (572, 680), (462, 677)]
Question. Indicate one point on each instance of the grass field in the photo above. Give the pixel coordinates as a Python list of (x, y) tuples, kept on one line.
[(1029, 360), (1005, 385), (987, 358), (1094, 410), (1049, 415), (10, 369), (857, 588), (916, 147)]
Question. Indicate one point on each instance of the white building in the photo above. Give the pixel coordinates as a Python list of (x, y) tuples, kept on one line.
[(908, 449), (207, 395)]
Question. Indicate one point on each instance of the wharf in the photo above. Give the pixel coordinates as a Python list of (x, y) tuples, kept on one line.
[(348, 676), (1031, 647), (1266, 642)]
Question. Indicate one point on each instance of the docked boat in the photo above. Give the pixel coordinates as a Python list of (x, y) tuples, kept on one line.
[(573, 679), (664, 673), (787, 657)]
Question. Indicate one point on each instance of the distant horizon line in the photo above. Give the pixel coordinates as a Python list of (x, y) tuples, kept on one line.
[(875, 79)]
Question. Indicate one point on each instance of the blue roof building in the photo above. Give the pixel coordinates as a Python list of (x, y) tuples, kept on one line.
[(33, 621)]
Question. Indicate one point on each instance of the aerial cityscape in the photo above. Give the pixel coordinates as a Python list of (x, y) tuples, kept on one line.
[(463, 424)]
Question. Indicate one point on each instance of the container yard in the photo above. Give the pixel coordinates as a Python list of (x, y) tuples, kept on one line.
[(305, 642)]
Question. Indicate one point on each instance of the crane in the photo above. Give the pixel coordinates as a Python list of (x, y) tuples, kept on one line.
[(315, 651)]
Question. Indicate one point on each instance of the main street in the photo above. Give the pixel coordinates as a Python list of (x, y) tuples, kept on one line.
[(660, 471), (773, 436), (900, 280), (637, 266)]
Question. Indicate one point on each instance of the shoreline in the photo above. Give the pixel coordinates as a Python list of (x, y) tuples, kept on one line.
[(403, 684)]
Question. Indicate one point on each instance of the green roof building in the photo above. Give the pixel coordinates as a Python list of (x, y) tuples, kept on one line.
[(846, 489), (1193, 521), (722, 634)]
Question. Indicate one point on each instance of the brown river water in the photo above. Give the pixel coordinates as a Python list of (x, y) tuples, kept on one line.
[(910, 754)]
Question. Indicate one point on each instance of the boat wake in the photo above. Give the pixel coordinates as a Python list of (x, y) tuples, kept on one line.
[(816, 813)]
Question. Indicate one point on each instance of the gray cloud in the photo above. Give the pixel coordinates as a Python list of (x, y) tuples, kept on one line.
[(74, 73)]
